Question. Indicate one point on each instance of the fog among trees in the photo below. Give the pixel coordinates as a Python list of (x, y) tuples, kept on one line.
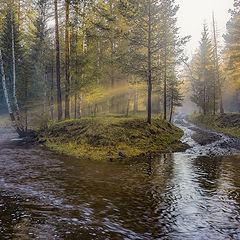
[(73, 59)]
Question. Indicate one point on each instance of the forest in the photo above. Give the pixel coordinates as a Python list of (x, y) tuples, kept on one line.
[(70, 59), (112, 127)]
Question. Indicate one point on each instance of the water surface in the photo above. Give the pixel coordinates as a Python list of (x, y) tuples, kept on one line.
[(174, 196)]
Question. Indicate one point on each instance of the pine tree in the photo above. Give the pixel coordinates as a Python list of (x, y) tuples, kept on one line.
[(40, 55), (171, 51), (232, 53), (59, 94), (218, 71), (67, 60), (204, 74), (143, 35)]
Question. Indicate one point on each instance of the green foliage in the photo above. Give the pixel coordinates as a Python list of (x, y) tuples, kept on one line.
[(108, 54), (204, 75), (232, 57), (21, 56)]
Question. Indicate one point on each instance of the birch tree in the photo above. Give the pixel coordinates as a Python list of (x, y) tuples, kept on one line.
[(16, 125), (14, 71)]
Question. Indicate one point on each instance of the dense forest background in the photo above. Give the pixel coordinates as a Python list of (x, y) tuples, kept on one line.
[(114, 57)]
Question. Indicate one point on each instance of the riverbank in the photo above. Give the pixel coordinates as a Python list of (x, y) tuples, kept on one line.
[(224, 123), (5, 121), (111, 138)]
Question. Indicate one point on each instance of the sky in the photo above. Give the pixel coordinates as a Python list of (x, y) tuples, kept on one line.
[(193, 13)]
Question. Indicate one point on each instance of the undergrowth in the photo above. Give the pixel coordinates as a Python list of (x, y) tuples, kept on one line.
[(101, 138), (226, 123)]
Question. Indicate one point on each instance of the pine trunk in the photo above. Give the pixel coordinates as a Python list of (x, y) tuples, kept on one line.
[(149, 64), (128, 104), (76, 78), (59, 95), (165, 83), (79, 105), (171, 108), (51, 97), (67, 64), (217, 68), (136, 100), (45, 92)]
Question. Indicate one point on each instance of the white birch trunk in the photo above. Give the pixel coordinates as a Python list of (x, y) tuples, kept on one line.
[(14, 72), (4, 85)]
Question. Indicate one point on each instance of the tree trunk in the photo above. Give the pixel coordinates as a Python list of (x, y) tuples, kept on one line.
[(112, 47), (79, 105), (59, 95), (52, 88), (45, 92), (221, 101), (149, 64), (18, 15), (165, 83), (10, 111), (128, 103), (95, 110), (136, 100), (214, 97), (67, 64), (204, 99), (75, 105), (76, 78), (171, 108), (217, 68), (204, 92), (26, 119), (14, 72)]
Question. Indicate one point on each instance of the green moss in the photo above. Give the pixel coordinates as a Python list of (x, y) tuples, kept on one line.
[(102, 138), (225, 123)]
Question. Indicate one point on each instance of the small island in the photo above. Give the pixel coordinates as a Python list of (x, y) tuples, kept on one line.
[(104, 138)]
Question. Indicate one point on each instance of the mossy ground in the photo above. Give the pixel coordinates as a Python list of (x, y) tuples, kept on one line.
[(226, 123), (5, 121), (104, 138)]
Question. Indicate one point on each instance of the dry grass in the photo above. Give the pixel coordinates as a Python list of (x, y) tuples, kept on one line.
[(226, 123), (101, 138)]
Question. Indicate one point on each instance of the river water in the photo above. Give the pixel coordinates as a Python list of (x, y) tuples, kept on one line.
[(174, 196)]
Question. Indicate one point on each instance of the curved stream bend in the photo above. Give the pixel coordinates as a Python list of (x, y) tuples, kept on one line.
[(175, 196), (219, 145)]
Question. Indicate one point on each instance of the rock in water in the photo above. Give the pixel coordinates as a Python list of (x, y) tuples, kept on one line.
[(122, 154)]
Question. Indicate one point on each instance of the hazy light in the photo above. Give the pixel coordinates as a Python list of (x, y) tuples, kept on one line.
[(193, 13)]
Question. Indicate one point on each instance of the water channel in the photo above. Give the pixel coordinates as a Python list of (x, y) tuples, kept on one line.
[(174, 196)]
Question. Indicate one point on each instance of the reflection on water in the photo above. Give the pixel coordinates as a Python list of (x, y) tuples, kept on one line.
[(176, 196)]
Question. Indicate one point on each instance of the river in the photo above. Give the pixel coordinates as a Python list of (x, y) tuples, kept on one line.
[(174, 196)]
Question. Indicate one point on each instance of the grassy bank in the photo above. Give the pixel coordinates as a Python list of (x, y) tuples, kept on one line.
[(5, 120), (225, 123), (104, 138)]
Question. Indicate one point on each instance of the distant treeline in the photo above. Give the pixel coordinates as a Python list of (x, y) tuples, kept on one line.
[(214, 70)]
